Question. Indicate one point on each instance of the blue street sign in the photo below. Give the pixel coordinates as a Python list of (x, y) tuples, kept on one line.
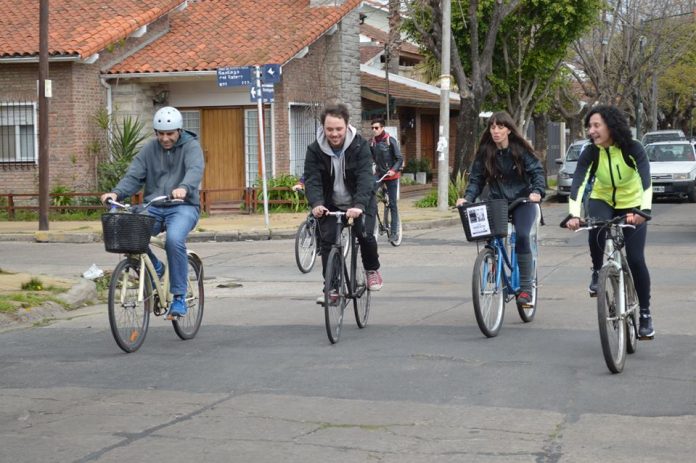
[(235, 77), (268, 93), (270, 73)]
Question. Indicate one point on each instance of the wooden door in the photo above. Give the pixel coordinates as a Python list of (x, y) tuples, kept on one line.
[(222, 139), (429, 125)]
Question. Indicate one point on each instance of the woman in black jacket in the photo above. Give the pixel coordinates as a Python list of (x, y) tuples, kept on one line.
[(507, 164)]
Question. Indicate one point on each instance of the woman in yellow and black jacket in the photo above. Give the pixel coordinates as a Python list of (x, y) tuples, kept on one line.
[(619, 171)]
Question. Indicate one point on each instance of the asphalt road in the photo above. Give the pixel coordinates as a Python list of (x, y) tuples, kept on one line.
[(420, 384)]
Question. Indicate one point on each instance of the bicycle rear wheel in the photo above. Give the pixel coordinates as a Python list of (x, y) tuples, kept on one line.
[(306, 246), (187, 326), (361, 296), (489, 300), (632, 309), (129, 317), (612, 330), (527, 313), (334, 295)]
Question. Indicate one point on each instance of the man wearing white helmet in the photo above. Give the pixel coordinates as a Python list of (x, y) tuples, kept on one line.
[(172, 165)]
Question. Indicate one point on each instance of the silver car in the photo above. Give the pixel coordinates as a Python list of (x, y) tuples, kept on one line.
[(568, 164), (673, 169)]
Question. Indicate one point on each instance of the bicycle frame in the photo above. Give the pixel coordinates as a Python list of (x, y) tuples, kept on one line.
[(506, 264), (339, 244)]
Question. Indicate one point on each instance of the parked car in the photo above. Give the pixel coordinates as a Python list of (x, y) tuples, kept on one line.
[(568, 164), (663, 135), (673, 169)]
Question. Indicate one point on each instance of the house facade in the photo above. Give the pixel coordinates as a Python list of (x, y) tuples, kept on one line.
[(126, 59)]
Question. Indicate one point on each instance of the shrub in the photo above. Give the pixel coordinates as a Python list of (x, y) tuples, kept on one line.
[(455, 190), (125, 140), (296, 200)]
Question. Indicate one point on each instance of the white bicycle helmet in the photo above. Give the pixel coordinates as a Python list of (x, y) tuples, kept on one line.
[(167, 119)]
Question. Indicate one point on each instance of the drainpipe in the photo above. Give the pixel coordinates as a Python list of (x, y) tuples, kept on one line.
[(109, 105)]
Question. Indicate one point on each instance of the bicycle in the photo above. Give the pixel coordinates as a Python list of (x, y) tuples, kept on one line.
[(617, 301), (496, 275), (135, 289), (308, 243), (383, 222), (342, 283)]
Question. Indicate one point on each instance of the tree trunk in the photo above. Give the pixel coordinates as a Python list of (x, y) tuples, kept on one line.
[(541, 127), (467, 135)]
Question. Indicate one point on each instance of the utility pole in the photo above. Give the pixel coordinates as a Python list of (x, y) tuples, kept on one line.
[(43, 116), (443, 140)]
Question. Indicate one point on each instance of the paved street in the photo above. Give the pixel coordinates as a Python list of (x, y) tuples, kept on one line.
[(261, 383)]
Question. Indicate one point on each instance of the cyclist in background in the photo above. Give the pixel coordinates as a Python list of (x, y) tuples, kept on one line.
[(621, 172), (338, 176), (388, 161), (506, 162), (170, 164)]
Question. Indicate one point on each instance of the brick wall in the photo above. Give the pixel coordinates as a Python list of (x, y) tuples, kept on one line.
[(77, 97)]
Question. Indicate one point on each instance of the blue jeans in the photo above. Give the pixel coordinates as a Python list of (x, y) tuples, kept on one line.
[(392, 190), (178, 221)]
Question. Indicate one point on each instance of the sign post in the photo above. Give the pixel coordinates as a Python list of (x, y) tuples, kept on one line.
[(262, 148)]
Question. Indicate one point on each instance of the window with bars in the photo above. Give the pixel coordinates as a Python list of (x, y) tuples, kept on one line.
[(251, 146), (192, 121), (18, 133), (303, 131)]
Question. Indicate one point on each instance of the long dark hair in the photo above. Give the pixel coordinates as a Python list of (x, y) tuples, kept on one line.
[(516, 143), (616, 122)]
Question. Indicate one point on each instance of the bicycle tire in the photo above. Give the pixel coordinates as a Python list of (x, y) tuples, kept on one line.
[(612, 330), (489, 301), (305, 247), (129, 319), (187, 327), (361, 296), (527, 313), (396, 241), (632, 309), (334, 279), (345, 239)]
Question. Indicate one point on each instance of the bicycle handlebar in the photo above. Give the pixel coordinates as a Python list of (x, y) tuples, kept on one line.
[(588, 223), (154, 201)]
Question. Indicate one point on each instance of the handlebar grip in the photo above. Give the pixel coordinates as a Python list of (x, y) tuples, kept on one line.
[(643, 214)]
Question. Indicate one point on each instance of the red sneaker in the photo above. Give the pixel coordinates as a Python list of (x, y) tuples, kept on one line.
[(374, 280)]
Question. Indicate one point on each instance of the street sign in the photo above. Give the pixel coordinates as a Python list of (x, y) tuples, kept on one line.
[(268, 93), (270, 73), (235, 77)]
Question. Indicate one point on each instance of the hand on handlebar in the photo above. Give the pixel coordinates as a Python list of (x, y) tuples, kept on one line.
[(353, 213), (460, 202), (106, 197), (319, 211), (536, 197), (634, 219), (573, 223)]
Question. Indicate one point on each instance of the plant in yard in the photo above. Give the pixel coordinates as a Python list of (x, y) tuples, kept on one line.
[(124, 141), (296, 200)]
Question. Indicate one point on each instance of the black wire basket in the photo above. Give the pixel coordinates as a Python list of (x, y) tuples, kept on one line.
[(127, 233), (484, 220)]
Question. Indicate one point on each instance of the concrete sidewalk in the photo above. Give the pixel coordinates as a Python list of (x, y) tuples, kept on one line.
[(231, 227)]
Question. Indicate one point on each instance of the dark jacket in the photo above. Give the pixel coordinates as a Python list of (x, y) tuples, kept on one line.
[(319, 175), (386, 155), (511, 185), (162, 171)]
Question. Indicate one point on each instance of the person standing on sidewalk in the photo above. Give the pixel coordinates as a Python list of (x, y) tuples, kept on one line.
[(621, 172), (388, 161), (170, 164), (338, 176), (507, 164)]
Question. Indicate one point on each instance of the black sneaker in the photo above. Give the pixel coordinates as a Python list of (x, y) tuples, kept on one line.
[(593, 284), (645, 329)]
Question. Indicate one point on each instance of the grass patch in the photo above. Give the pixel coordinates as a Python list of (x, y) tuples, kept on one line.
[(551, 183), (10, 303)]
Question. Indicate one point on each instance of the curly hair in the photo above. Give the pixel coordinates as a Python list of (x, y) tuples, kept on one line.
[(616, 122), (516, 142)]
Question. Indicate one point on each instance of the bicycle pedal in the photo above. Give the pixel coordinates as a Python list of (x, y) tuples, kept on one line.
[(593, 294), (646, 338)]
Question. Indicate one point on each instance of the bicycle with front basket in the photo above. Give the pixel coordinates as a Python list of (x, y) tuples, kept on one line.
[(135, 289), (343, 282), (617, 302), (496, 275)]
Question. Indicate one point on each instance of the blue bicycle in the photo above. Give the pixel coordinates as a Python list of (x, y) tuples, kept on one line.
[(496, 276)]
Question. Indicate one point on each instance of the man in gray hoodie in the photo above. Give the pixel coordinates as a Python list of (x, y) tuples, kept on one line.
[(170, 164), (338, 176)]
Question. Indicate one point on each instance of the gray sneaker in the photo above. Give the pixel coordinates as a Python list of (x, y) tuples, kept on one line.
[(645, 328), (594, 286)]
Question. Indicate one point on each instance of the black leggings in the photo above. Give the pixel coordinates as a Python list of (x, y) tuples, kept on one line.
[(635, 247), (523, 217), (366, 238)]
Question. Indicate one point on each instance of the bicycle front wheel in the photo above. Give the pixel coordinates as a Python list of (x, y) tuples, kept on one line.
[(305, 247), (612, 329), (187, 326), (361, 296), (488, 298), (632, 310), (129, 317), (334, 295)]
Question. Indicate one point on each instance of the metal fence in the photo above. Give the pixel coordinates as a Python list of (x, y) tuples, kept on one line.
[(18, 134)]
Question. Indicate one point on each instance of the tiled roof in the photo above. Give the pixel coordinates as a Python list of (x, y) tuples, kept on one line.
[(216, 33), (406, 91), (368, 52), (381, 36), (77, 28)]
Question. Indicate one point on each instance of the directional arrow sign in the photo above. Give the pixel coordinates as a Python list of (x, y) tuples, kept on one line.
[(270, 73), (234, 77), (267, 94)]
